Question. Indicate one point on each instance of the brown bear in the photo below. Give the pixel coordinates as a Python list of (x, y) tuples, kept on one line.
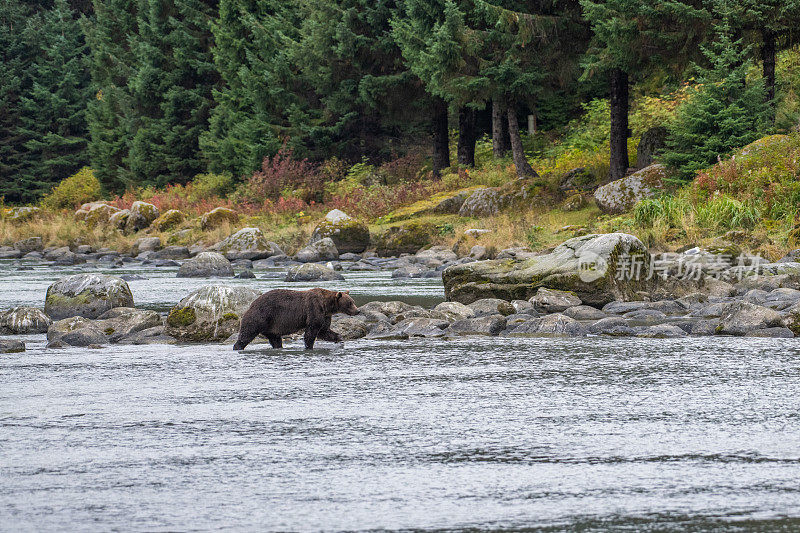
[(283, 312)]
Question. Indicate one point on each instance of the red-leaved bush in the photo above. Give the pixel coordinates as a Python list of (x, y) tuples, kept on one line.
[(282, 172)]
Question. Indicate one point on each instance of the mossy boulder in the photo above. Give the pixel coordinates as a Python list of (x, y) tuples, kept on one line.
[(577, 179), (587, 266), (168, 220), (482, 203), (206, 265), (217, 217), (247, 243), (21, 214), (312, 272), (86, 295), (348, 234), (119, 219), (141, 216), (406, 239), (209, 314), (623, 194), (99, 215)]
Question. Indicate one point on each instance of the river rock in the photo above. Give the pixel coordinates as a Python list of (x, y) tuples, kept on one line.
[(31, 244), (740, 318), (142, 214), (771, 333), (24, 321), (322, 250), (406, 239), (421, 327), (168, 220), (146, 244), (154, 335), (348, 234), (621, 195), (312, 272), (607, 326), (171, 252), (217, 217), (435, 256), (75, 331), (555, 325), (662, 331), (454, 311), (211, 313), (247, 243), (409, 272), (11, 346), (349, 328), (206, 265), (86, 295), (492, 306), (484, 325), (586, 266), (99, 214), (584, 312), (554, 301), (122, 322)]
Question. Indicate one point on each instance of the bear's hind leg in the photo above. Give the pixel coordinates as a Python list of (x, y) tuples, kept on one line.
[(275, 340)]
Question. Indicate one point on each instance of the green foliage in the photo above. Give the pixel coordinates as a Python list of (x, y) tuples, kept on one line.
[(81, 187), (727, 111), (724, 213), (669, 211), (210, 185), (591, 131)]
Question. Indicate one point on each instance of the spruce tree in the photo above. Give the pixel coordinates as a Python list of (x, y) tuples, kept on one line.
[(727, 111), (53, 111)]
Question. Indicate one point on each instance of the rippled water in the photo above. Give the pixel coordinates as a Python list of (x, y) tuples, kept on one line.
[(486, 433)]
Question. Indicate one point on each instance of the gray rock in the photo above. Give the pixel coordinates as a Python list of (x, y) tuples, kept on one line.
[(524, 307), (421, 327), (740, 318), (24, 321), (555, 325), (31, 244), (586, 266), (622, 194), (652, 141), (10, 254), (206, 265), (662, 331), (11, 346), (435, 256), (247, 243), (484, 325), (605, 325), (322, 250), (146, 244), (584, 312), (645, 316), (492, 306), (211, 313), (245, 274), (451, 205), (171, 252), (454, 311), (141, 216), (409, 272), (154, 335), (771, 333), (348, 234), (75, 331), (122, 322), (478, 252), (553, 301), (312, 272), (482, 203), (86, 295), (349, 328)]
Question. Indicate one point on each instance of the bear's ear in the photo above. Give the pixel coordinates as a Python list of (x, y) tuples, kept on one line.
[(338, 295)]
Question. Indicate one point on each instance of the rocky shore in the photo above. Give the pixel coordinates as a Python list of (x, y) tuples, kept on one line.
[(608, 284)]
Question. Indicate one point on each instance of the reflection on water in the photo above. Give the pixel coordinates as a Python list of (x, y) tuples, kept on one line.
[(480, 432)]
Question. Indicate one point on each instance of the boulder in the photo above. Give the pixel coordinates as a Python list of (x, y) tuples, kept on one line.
[(652, 141), (491, 306), (584, 312), (122, 322), (11, 346), (99, 215), (740, 318), (662, 331), (171, 252), (211, 313), (119, 219), (451, 205), (483, 202), (21, 214), (421, 327), (86, 295), (406, 239), (587, 266), (484, 325), (435, 256), (146, 244), (554, 301), (577, 179), (621, 195), (247, 243), (168, 220), (555, 325), (454, 311), (348, 234), (217, 217), (409, 272), (312, 272), (24, 321), (349, 328), (206, 265), (31, 244), (141, 216), (321, 250), (75, 331)]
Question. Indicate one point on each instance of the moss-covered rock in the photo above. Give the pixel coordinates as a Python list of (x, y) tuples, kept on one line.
[(209, 314), (247, 243), (406, 239), (206, 265), (141, 216), (168, 220), (348, 234), (587, 266), (99, 215), (24, 321), (622, 194), (86, 295), (119, 219), (217, 217), (21, 214)]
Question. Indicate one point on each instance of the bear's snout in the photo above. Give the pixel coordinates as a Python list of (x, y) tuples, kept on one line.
[(352, 310)]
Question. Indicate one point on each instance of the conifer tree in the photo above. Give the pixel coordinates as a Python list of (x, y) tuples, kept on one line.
[(727, 112), (53, 111)]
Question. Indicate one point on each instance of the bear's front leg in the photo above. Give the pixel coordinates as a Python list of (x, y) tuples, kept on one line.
[(330, 336), (309, 337)]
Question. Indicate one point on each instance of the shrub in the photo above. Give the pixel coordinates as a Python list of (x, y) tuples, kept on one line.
[(724, 212), (73, 191), (667, 211), (210, 185), (281, 173)]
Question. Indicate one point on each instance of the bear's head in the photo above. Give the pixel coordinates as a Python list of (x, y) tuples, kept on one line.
[(345, 304)]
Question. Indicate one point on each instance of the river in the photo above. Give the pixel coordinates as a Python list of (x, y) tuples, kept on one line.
[(484, 433)]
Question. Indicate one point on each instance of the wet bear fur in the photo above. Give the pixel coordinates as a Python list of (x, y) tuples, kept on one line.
[(282, 312)]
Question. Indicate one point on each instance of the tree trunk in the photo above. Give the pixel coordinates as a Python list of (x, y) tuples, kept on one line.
[(619, 123), (466, 137), (500, 142), (768, 56), (441, 147), (524, 169)]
